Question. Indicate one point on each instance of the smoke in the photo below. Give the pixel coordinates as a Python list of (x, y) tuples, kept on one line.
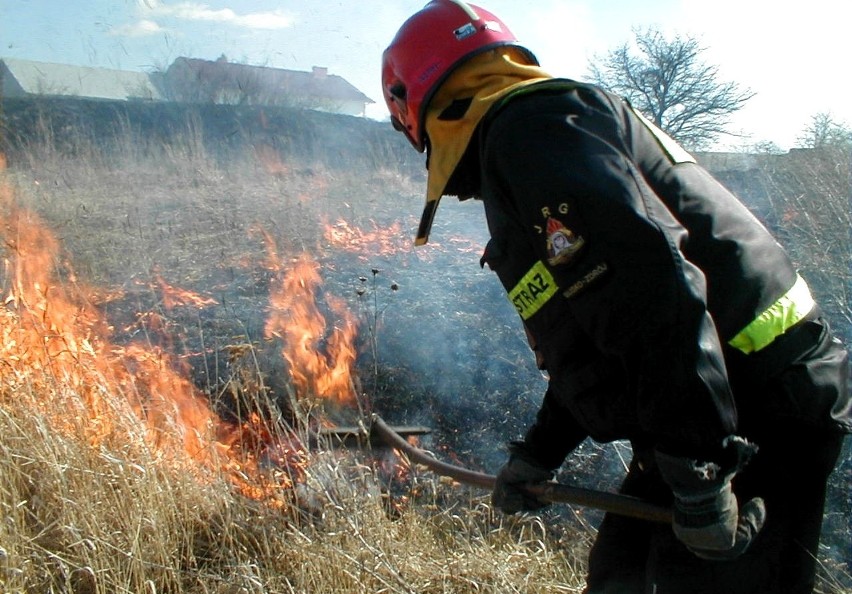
[(441, 344)]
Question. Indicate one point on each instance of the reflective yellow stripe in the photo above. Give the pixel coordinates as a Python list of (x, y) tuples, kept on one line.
[(791, 308), (676, 153), (533, 290)]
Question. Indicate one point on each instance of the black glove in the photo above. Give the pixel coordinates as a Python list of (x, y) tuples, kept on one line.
[(521, 469), (706, 516)]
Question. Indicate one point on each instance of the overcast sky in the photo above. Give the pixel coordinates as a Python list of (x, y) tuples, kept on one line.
[(795, 56)]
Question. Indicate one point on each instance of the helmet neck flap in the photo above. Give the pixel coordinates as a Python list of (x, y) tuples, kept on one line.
[(431, 46), (480, 82)]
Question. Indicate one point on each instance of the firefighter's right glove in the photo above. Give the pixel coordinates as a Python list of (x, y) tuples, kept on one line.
[(707, 518), (522, 469)]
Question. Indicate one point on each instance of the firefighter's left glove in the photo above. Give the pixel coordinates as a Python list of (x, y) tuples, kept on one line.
[(707, 517), (522, 469)]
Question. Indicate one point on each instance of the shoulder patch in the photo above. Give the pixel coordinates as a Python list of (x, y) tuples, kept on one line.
[(562, 243)]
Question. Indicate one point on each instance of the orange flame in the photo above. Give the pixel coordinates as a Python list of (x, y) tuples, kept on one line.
[(60, 362), (388, 240), (175, 297), (298, 322)]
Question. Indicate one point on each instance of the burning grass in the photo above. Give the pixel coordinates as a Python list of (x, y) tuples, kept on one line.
[(124, 469)]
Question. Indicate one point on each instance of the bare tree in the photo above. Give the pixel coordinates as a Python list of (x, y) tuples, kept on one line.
[(824, 131), (666, 80)]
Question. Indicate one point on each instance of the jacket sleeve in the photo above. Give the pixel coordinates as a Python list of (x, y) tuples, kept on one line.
[(617, 255), (554, 433)]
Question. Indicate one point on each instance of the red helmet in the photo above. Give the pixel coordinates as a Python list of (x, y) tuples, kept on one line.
[(426, 49)]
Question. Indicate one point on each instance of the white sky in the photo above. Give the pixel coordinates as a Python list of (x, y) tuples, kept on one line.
[(795, 56)]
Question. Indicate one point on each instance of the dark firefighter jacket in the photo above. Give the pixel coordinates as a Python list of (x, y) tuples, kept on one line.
[(635, 273)]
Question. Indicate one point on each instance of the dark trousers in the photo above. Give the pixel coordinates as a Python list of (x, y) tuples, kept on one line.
[(637, 557)]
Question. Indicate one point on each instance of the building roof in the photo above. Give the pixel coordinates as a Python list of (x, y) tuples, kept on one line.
[(317, 84), (44, 78)]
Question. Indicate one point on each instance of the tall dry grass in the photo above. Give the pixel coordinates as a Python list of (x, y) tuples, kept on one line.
[(82, 519), (94, 500)]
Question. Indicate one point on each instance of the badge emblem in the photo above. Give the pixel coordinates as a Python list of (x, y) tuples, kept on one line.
[(562, 243)]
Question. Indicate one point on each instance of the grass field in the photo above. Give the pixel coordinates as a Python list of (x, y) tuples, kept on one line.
[(168, 351)]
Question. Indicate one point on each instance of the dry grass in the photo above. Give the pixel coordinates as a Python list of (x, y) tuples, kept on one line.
[(82, 519), (98, 496)]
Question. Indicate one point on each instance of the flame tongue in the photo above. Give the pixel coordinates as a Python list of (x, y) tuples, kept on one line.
[(386, 240), (174, 296), (297, 320)]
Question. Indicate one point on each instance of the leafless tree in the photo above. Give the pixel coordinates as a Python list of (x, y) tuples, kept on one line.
[(667, 81), (824, 131)]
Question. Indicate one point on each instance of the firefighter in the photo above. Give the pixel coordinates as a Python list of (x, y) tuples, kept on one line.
[(663, 312)]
